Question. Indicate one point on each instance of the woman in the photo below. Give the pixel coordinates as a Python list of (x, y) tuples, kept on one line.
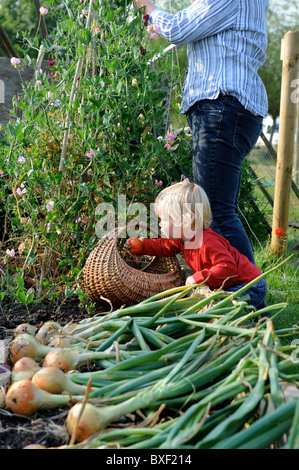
[(223, 98)]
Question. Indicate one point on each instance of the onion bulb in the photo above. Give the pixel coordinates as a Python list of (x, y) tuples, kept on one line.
[(26, 345), (57, 341), (25, 328), (25, 398), (53, 380), (34, 446), (94, 419), (88, 424), (69, 328), (24, 368), (68, 360), (46, 332)]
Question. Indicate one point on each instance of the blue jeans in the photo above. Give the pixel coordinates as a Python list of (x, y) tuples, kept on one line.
[(257, 293), (223, 133)]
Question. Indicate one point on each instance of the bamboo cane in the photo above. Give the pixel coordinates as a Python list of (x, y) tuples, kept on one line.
[(285, 152), (75, 87)]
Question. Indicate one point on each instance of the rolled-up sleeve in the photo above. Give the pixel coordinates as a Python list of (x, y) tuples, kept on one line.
[(203, 18)]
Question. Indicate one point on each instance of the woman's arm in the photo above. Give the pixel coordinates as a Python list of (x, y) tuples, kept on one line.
[(199, 20)]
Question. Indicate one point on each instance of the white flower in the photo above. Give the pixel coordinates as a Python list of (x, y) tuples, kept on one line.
[(50, 206), (21, 159)]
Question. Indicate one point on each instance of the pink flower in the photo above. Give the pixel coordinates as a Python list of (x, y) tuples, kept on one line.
[(10, 252), (157, 29), (91, 153), (171, 136), (1, 173), (153, 36), (21, 191), (43, 11), (15, 61), (134, 82), (186, 180), (168, 146), (159, 183)]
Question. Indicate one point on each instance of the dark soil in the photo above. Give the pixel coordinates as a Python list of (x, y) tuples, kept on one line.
[(46, 427)]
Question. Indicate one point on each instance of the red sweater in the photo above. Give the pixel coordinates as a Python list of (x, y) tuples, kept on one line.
[(215, 258)]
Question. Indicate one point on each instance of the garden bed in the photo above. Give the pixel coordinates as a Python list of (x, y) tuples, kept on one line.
[(190, 370), (46, 427)]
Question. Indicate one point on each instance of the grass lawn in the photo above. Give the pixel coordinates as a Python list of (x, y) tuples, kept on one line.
[(283, 286)]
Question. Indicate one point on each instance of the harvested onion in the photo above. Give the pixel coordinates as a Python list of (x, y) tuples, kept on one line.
[(47, 331), (53, 380), (25, 328), (68, 360), (34, 446), (59, 342), (25, 398), (24, 368), (26, 345), (88, 424)]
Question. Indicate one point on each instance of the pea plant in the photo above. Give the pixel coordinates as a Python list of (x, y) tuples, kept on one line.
[(91, 125)]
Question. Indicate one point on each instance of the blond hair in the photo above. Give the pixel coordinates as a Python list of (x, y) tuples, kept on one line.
[(186, 203)]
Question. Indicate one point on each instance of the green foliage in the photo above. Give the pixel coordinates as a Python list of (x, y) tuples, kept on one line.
[(113, 123)]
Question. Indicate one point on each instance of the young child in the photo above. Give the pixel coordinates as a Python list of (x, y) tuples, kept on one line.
[(185, 215)]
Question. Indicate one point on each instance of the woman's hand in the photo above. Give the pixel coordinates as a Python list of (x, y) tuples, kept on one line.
[(190, 281), (145, 4)]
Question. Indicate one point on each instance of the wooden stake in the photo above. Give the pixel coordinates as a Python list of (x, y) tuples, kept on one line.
[(283, 180)]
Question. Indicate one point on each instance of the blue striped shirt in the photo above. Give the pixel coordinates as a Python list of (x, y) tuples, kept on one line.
[(226, 43)]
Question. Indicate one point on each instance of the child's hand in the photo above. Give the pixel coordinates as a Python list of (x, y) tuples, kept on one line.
[(190, 281), (134, 246)]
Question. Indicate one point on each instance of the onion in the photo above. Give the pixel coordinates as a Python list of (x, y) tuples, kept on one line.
[(26, 345), (88, 424), (25, 328), (24, 368), (34, 446), (94, 419), (53, 380), (59, 342), (69, 328), (47, 331), (25, 398), (67, 360)]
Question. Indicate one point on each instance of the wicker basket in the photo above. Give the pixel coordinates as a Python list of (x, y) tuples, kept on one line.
[(106, 275)]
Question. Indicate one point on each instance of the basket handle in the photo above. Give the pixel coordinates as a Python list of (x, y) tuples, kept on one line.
[(148, 227)]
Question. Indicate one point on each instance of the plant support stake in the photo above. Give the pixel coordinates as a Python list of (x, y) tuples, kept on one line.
[(65, 138)]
